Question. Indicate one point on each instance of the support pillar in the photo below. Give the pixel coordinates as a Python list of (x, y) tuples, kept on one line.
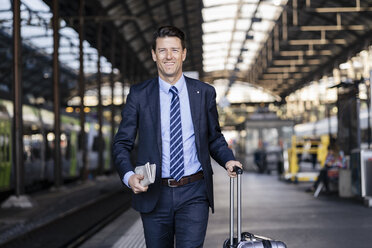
[(56, 96), (123, 72), (19, 199), (17, 100), (99, 110), (83, 147), (112, 82)]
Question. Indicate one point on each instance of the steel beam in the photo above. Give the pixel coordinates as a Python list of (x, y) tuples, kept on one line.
[(289, 69), (333, 28), (305, 53), (297, 62), (317, 42), (341, 9)]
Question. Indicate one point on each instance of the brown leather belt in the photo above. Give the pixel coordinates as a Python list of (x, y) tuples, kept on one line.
[(183, 181)]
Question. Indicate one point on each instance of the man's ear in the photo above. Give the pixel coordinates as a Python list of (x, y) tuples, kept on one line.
[(153, 55), (184, 52)]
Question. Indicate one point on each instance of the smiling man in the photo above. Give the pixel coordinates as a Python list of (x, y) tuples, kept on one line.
[(177, 124)]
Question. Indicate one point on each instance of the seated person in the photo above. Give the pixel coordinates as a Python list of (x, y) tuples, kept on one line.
[(333, 160)]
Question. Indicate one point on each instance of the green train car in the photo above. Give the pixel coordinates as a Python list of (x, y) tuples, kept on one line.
[(38, 142)]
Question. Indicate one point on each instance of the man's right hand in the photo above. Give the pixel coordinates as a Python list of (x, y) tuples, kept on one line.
[(134, 183)]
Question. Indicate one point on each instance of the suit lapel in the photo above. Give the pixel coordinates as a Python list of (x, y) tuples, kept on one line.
[(154, 102), (195, 103)]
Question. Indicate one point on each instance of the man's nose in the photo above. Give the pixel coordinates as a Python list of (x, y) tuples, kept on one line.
[(169, 54)]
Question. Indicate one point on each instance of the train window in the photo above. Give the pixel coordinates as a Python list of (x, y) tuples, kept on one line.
[(7, 148), (50, 136), (68, 147), (49, 146), (63, 144), (2, 148), (32, 146), (270, 136), (27, 148), (252, 140)]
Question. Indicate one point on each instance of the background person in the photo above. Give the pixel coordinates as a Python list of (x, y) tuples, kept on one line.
[(333, 160)]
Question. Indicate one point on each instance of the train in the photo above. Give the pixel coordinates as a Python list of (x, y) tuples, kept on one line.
[(38, 146), (329, 126)]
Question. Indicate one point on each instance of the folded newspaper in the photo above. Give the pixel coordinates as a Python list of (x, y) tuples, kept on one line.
[(148, 171)]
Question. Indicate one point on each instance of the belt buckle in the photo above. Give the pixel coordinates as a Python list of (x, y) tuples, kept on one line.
[(169, 183)]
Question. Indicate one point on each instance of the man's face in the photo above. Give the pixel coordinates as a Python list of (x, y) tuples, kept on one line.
[(169, 56)]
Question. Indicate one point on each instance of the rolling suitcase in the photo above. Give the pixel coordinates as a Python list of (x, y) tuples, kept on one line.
[(245, 239)]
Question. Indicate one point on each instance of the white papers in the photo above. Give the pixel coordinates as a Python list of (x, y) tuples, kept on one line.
[(148, 171)]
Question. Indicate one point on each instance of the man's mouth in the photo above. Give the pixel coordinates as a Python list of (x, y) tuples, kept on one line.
[(169, 63)]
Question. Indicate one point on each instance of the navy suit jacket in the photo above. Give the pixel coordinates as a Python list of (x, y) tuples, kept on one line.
[(141, 115)]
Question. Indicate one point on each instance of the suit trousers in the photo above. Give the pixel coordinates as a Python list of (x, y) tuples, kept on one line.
[(180, 216)]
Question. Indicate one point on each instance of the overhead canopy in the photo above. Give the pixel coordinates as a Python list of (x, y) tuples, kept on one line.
[(128, 27), (278, 45), (36, 73), (307, 41), (274, 44)]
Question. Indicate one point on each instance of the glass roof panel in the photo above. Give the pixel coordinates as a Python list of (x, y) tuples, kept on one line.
[(263, 25), (36, 31), (219, 12), (228, 25), (230, 66), (241, 92), (231, 60), (236, 45), (215, 47), (260, 36), (209, 68), (247, 10), (208, 3), (251, 1), (268, 11), (234, 52), (239, 36), (214, 54), (214, 61), (243, 24), (218, 25), (217, 37)]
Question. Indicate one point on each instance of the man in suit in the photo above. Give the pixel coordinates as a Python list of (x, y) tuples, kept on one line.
[(177, 124)]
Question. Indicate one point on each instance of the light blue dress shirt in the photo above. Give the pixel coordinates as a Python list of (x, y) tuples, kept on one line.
[(191, 162)]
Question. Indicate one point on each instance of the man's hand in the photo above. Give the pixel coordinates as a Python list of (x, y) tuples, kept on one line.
[(134, 183), (230, 166)]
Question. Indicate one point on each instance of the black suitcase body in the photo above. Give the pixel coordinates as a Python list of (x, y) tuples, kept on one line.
[(245, 239)]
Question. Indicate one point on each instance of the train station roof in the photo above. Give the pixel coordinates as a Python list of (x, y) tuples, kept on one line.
[(277, 45)]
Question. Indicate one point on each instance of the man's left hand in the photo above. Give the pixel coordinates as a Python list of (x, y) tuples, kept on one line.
[(230, 167)]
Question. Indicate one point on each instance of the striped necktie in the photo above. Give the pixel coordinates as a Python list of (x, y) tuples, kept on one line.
[(176, 144)]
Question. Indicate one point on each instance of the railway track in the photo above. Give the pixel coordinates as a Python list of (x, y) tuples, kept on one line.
[(72, 228)]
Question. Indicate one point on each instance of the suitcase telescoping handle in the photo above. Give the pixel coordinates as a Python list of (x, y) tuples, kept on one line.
[(239, 172)]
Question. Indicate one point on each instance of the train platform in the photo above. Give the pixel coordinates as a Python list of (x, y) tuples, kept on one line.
[(271, 208), (52, 205)]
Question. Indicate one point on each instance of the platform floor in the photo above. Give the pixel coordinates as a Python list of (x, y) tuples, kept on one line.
[(271, 208)]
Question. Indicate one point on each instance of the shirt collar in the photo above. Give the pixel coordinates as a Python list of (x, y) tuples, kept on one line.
[(164, 86)]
